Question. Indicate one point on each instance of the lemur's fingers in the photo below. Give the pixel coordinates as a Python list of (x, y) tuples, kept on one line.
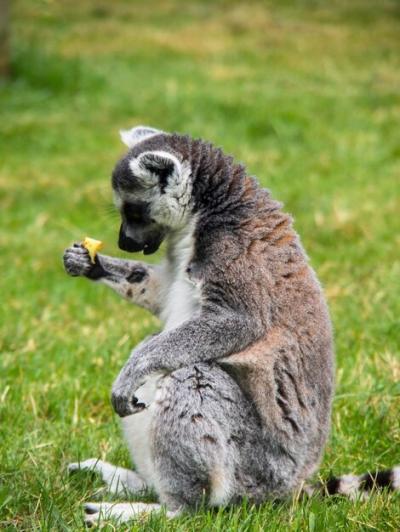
[(89, 464), (76, 261), (126, 404), (95, 514), (79, 246)]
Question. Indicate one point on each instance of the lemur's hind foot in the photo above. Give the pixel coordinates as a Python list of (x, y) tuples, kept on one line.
[(117, 479), (97, 513), (354, 486)]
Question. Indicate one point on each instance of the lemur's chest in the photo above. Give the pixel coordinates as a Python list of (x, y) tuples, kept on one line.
[(181, 302), (184, 295), (182, 298)]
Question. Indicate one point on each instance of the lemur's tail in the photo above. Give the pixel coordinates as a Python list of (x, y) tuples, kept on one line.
[(354, 486)]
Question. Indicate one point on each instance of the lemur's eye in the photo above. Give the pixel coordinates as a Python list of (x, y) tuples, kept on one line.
[(135, 217), (135, 213)]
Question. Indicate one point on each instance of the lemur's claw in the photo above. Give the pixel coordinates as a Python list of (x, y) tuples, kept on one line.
[(137, 405)]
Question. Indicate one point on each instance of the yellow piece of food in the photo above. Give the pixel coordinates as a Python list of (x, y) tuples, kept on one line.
[(93, 246)]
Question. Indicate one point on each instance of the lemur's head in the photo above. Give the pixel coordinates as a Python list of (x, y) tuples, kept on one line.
[(152, 189)]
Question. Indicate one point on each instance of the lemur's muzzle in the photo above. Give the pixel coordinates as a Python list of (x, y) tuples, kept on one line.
[(149, 243)]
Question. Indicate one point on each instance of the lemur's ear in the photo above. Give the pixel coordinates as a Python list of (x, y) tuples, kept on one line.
[(160, 167), (130, 137)]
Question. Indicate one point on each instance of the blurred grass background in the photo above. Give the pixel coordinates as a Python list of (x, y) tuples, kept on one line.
[(306, 93)]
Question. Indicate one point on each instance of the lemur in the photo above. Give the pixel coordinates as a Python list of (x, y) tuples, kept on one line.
[(233, 398)]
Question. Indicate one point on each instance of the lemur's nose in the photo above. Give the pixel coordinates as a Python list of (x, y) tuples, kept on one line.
[(128, 244)]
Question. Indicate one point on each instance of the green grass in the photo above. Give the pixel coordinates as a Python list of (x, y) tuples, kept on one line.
[(306, 93)]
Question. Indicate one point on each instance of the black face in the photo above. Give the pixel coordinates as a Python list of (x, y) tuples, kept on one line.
[(139, 241), (138, 231)]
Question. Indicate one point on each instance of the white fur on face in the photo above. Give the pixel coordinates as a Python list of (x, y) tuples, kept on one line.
[(133, 136), (174, 206), (171, 207), (140, 166)]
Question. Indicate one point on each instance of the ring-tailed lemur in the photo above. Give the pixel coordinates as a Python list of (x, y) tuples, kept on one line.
[(233, 398)]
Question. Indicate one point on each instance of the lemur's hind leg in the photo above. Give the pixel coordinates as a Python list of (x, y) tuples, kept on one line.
[(117, 479), (205, 439), (136, 281)]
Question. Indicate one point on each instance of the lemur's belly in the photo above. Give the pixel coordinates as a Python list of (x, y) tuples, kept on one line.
[(137, 431), (183, 301)]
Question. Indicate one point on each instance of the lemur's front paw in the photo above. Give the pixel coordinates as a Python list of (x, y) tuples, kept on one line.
[(126, 404), (123, 398), (77, 261)]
